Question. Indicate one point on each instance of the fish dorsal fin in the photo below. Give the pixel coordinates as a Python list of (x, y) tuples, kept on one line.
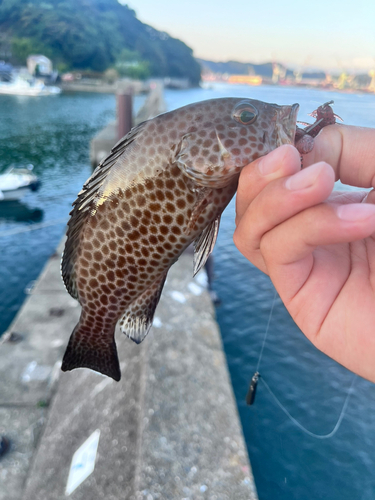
[(83, 206), (204, 244), (137, 319)]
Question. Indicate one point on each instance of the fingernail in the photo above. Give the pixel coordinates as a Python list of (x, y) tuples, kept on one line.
[(355, 211), (304, 178), (267, 165)]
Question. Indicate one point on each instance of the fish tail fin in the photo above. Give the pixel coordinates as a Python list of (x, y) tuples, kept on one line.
[(101, 357)]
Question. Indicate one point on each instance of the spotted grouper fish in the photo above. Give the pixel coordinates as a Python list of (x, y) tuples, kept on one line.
[(162, 187)]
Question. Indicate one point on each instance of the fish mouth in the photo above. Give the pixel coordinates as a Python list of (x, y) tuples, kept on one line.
[(286, 124)]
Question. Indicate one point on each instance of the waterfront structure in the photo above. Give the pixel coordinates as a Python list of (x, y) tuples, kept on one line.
[(246, 79), (39, 65)]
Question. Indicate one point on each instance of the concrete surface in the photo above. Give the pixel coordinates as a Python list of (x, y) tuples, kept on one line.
[(99, 86), (153, 105), (169, 428), (22, 425), (29, 370), (103, 142)]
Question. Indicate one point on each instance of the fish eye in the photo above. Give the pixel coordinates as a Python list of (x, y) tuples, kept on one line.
[(246, 115)]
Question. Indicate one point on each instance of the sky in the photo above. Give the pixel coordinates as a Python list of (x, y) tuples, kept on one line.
[(326, 34)]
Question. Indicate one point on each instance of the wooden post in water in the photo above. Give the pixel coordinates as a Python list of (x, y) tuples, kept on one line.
[(124, 114)]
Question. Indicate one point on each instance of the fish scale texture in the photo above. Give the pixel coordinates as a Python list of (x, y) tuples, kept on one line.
[(163, 185)]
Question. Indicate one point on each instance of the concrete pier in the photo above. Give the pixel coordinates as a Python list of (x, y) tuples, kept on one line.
[(104, 141), (102, 87), (168, 430)]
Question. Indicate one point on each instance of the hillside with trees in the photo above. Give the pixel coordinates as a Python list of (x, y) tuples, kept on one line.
[(91, 35)]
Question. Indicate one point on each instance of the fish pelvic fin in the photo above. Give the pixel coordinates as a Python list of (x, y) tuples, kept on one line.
[(137, 320), (102, 357), (204, 244)]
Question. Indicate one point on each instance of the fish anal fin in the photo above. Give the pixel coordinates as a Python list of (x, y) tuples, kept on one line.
[(137, 320), (102, 357), (204, 244)]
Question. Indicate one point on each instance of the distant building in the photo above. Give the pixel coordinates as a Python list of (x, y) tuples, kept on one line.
[(371, 86), (313, 78), (39, 65), (245, 79)]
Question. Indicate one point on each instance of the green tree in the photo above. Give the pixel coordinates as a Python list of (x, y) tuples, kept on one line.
[(130, 64), (92, 35), (21, 48)]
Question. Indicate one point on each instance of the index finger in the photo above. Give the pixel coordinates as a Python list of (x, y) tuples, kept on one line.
[(349, 150)]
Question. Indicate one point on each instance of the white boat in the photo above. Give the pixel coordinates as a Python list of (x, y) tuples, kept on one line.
[(31, 87), (16, 182)]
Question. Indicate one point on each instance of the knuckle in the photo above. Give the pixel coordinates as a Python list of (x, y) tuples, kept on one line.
[(266, 246), (244, 245), (238, 240)]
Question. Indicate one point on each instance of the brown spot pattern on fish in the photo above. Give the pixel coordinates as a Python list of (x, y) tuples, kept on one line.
[(163, 186)]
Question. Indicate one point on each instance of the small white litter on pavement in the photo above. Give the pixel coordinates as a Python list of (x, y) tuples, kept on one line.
[(201, 278), (35, 372), (195, 289), (178, 296), (157, 322), (83, 462)]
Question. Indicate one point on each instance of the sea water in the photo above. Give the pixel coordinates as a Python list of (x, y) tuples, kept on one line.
[(53, 133)]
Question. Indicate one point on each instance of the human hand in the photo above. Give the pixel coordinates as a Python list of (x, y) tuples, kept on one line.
[(317, 246)]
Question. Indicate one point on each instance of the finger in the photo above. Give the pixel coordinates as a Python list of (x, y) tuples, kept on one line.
[(370, 197), (350, 151), (298, 237), (254, 177), (281, 199), (345, 197)]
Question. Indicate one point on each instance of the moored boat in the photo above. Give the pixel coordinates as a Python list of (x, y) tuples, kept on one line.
[(16, 182), (29, 87)]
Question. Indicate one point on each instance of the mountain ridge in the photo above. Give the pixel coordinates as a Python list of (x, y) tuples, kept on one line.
[(91, 34), (239, 68)]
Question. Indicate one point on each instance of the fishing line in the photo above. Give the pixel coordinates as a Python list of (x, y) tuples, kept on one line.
[(250, 397), (300, 426), (267, 329)]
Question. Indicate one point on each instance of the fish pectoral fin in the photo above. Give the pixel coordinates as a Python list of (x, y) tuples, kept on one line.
[(137, 320), (204, 199), (101, 358), (204, 244)]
